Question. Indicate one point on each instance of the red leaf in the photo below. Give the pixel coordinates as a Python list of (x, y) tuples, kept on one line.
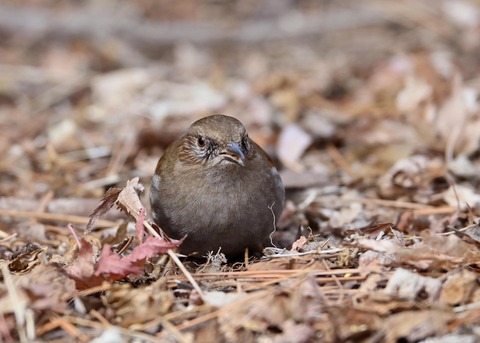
[(151, 247), (82, 270), (113, 267)]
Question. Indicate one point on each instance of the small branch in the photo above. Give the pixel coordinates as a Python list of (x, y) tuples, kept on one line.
[(186, 273), (55, 217), (18, 304)]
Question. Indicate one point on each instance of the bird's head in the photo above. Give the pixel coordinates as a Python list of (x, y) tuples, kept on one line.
[(216, 140)]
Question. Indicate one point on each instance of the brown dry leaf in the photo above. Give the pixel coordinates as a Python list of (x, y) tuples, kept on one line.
[(24, 262), (454, 117), (47, 288), (119, 236), (461, 197), (372, 282), (373, 149), (299, 243), (371, 262), (405, 284), (43, 288), (288, 263), (459, 288), (435, 252), (411, 176), (108, 200), (383, 304), (128, 199), (257, 312), (209, 332), (175, 99), (472, 234), (273, 264), (415, 325), (292, 143), (415, 92), (115, 89), (132, 306), (353, 324), (293, 332), (451, 245)]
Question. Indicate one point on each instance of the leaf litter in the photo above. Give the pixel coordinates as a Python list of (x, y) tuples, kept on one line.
[(379, 154)]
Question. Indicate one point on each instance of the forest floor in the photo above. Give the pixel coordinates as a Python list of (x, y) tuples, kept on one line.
[(370, 110)]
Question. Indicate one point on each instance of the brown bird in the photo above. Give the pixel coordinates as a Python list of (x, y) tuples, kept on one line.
[(218, 188)]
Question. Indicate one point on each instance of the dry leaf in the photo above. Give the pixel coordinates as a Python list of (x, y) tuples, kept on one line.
[(292, 143), (113, 267), (24, 262), (405, 284), (132, 306), (128, 199), (458, 288), (108, 200), (299, 243), (416, 325), (413, 94), (461, 197), (152, 246)]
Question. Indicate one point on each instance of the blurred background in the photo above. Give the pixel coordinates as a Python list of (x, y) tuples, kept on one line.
[(351, 98)]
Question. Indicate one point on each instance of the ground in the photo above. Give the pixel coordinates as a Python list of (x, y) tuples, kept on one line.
[(368, 108)]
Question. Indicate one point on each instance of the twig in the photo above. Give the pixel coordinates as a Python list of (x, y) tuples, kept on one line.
[(170, 252), (340, 161), (186, 273), (68, 206), (100, 318), (313, 252), (5, 237), (56, 217), (471, 226), (18, 305), (44, 202), (93, 290), (437, 210), (73, 331), (335, 279)]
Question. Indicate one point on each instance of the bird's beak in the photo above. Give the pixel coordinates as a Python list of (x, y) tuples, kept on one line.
[(234, 153)]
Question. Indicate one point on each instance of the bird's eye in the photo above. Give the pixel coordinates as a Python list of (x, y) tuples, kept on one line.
[(245, 143), (201, 141)]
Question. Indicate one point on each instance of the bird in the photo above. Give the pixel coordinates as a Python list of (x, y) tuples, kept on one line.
[(217, 189)]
